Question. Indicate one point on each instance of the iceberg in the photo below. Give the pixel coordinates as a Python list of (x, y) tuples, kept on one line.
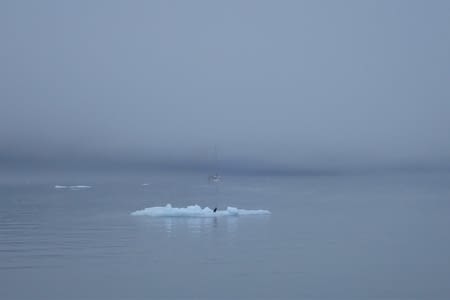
[(196, 211)]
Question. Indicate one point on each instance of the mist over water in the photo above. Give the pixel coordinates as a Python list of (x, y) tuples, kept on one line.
[(294, 85)]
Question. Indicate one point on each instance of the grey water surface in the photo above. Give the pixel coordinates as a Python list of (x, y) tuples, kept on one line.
[(328, 237)]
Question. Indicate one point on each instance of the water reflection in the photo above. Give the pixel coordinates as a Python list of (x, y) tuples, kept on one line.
[(172, 226), (193, 225)]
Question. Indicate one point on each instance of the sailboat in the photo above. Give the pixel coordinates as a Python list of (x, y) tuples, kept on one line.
[(215, 178)]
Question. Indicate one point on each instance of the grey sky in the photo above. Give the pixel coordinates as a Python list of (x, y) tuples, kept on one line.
[(288, 83)]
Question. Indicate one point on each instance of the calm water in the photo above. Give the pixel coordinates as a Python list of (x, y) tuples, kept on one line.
[(329, 237)]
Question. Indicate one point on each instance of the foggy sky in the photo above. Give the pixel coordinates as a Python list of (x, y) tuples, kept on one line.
[(286, 84)]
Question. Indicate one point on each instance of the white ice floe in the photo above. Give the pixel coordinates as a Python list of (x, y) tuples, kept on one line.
[(195, 211), (72, 187)]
